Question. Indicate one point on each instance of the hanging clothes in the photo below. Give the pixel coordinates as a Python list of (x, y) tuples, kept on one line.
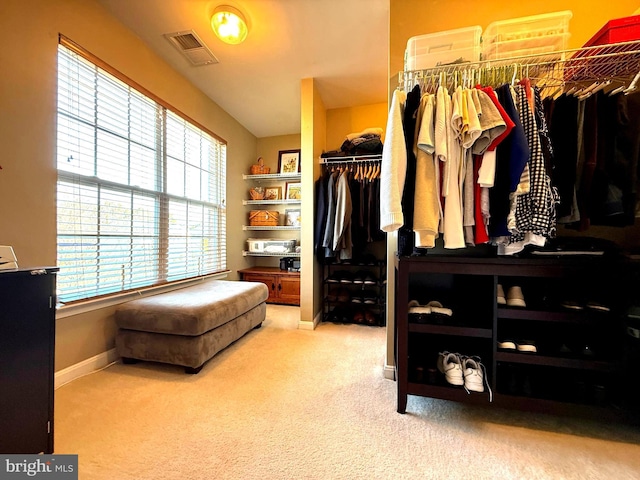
[(342, 243), (426, 198), (394, 167)]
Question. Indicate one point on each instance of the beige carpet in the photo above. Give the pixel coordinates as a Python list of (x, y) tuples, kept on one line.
[(283, 403)]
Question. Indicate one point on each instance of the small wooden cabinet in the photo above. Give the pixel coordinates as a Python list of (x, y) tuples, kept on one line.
[(284, 286)]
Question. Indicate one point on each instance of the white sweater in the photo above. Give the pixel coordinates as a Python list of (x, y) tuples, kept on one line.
[(394, 167)]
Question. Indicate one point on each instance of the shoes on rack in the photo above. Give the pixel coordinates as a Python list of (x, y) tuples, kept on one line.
[(370, 279), (571, 304), (526, 346), (334, 278), (343, 295), (346, 277), (507, 345), (515, 297), (370, 318), (358, 317), (369, 297), (598, 306), (473, 374), (359, 277), (438, 309), (450, 364), (432, 312), (332, 295), (500, 298), (368, 259)]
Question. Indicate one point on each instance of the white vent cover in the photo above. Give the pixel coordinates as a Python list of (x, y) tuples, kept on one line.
[(192, 47)]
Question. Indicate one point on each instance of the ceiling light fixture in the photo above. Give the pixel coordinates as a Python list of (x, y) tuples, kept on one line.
[(229, 24)]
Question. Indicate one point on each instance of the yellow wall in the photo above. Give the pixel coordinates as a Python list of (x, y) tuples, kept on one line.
[(417, 17), (314, 129), (28, 137), (342, 121)]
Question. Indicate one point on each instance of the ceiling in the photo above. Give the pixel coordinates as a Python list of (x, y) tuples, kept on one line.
[(343, 44)]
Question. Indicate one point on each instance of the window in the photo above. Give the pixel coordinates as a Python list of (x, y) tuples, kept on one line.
[(141, 190)]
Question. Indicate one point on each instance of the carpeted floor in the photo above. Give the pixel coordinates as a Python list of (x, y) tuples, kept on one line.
[(283, 403)]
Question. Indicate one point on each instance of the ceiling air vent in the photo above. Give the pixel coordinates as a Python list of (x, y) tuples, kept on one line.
[(192, 47)]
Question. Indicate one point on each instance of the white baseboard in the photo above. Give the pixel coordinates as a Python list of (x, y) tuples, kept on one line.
[(390, 372), (306, 325), (85, 367)]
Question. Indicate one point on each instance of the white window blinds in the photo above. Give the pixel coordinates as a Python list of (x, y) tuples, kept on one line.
[(141, 191)]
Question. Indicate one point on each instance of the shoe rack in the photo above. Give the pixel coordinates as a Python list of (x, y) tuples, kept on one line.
[(354, 291), (557, 348)]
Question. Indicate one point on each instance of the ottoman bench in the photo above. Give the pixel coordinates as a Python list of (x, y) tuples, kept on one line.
[(189, 326)]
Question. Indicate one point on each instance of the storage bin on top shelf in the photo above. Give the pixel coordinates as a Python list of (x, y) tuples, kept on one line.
[(451, 46), (532, 35), (619, 30)]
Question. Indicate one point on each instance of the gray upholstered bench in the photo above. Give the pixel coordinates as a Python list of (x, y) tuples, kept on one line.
[(189, 326)]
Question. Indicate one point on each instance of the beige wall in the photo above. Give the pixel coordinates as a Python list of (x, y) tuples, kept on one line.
[(28, 137)]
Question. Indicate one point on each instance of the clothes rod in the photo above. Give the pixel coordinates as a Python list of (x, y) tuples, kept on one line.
[(354, 159)]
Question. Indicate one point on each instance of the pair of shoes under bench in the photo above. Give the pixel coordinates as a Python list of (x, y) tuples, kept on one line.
[(467, 371)]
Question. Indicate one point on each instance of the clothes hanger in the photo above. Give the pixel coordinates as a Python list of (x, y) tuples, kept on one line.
[(632, 86)]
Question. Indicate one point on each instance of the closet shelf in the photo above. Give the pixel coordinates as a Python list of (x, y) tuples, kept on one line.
[(271, 202), (273, 176), (266, 254), (616, 61), (264, 228)]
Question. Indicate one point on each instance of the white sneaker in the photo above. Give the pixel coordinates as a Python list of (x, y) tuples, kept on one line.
[(473, 375), (451, 365)]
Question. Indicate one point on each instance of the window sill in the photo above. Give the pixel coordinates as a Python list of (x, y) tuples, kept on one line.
[(64, 311)]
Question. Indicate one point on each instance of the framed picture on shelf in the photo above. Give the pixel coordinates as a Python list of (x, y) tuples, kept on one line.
[(289, 161), (273, 193), (292, 217), (293, 191)]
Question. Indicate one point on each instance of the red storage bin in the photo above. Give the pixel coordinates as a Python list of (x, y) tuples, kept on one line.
[(619, 30)]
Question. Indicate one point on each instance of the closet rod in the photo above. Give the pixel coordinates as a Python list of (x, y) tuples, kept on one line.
[(358, 159), (616, 60)]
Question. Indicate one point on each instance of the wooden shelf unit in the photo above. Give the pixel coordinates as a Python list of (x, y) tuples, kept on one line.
[(465, 281)]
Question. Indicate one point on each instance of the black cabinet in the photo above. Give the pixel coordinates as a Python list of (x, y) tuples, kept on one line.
[(572, 314), (27, 339)]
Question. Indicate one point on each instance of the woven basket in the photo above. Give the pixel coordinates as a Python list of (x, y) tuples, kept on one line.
[(256, 193), (260, 169), (264, 218)]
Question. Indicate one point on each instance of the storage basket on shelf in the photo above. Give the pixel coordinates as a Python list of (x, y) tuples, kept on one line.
[(259, 168), (256, 193), (532, 35), (271, 245), (441, 48), (264, 218)]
